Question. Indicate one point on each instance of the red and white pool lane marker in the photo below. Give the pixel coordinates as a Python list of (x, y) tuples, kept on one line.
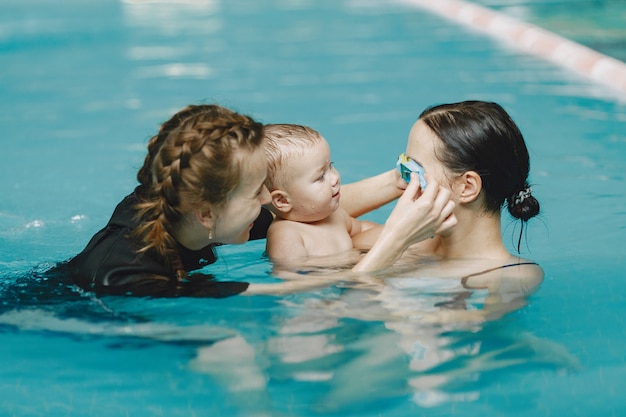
[(532, 40)]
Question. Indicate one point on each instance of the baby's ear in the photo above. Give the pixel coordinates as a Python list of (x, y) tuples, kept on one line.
[(281, 201)]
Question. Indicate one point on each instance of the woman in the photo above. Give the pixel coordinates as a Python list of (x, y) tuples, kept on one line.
[(476, 150), (201, 185)]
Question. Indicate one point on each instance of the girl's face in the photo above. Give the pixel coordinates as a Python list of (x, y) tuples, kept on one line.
[(313, 185), (235, 219)]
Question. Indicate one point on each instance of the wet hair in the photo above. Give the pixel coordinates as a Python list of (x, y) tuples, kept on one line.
[(194, 162), (480, 136), (283, 142)]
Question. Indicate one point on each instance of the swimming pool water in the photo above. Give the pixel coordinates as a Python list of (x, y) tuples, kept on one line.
[(85, 84)]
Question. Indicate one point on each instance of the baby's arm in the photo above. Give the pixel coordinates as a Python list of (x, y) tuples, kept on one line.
[(363, 232), (357, 198), (367, 237), (356, 226)]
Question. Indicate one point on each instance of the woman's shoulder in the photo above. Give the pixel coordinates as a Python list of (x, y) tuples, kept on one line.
[(517, 275)]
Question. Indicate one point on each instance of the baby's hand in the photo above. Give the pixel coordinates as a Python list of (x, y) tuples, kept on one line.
[(400, 183)]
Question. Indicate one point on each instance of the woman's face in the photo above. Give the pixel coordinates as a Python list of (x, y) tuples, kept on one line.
[(235, 219), (421, 148)]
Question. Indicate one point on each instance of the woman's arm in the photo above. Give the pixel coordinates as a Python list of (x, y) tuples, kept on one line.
[(288, 287), (417, 216), (357, 198)]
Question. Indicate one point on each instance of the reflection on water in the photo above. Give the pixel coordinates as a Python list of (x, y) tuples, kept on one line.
[(355, 347), (165, 20), (346, 349), (171, 17)]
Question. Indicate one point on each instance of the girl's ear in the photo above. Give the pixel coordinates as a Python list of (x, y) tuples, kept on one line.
[(281, 201), (206, 218), (469, 185)]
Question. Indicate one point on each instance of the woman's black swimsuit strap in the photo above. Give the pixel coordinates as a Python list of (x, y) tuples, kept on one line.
[(466, 277), (110, 262), (459, 301)]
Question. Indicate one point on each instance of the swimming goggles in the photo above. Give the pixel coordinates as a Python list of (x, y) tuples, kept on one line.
[(406, 165)]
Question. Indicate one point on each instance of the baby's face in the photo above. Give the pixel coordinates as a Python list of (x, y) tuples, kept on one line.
[(314, 184)]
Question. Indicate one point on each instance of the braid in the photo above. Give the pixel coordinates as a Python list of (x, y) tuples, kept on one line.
[(144, 176), (191, 163)]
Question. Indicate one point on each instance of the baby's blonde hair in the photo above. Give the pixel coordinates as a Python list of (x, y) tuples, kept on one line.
[(282, 142)]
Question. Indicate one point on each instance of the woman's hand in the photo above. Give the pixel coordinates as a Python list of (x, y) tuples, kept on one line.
[(420, 214), (417, 216)]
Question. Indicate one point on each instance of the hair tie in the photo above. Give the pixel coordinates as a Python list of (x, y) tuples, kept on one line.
[(522, 195)]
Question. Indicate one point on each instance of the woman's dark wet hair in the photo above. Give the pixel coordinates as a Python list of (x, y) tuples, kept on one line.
[(480, 136)]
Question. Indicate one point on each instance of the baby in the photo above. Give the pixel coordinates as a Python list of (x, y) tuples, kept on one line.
[(305, 192)]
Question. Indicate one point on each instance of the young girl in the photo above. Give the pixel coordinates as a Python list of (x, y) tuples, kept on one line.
[(201, 185)]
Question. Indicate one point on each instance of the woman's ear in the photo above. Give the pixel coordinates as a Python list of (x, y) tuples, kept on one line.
[(281, 201), (470, 184)]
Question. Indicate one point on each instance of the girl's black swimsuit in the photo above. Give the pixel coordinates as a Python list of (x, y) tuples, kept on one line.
[(110, 264)]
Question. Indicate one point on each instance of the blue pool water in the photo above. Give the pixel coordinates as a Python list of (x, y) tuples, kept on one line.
[(85, 84)]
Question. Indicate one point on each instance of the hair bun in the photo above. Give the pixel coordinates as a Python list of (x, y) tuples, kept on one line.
[(522, 205)]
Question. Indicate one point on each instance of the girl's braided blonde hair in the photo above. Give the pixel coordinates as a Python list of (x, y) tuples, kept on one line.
[(192, 163)]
